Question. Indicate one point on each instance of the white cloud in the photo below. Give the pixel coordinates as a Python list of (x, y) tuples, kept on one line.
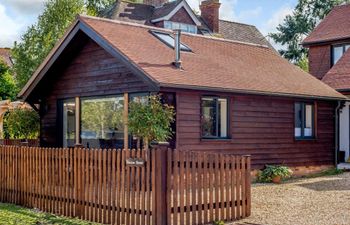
[(271, 24), (9, 29), (15, 17), (276, 19), (24, 6), (249, 14)]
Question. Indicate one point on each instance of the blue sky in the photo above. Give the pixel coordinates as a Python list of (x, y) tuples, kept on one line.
[(17, 15)]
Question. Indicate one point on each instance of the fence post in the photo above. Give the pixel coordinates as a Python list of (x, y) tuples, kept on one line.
[(160, 149)]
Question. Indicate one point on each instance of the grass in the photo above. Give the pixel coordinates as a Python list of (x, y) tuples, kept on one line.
[(15, 215), (329, 172)]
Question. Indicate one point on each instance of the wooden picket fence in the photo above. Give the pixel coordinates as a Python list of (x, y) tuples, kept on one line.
[(207, 187), (132, 187)]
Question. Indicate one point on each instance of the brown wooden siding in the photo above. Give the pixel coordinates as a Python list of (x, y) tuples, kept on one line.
[(260, 126), (182, 16), (92, 72)]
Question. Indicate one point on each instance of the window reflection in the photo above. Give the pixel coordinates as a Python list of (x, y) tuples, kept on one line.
[(102, 122)]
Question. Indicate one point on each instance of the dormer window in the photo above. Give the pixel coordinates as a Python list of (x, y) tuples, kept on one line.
[(182, 26), (338, 51)]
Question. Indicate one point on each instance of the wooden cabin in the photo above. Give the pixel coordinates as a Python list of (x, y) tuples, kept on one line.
[(229, 96)]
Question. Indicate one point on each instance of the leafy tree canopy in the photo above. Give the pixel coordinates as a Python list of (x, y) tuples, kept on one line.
[(299, 24), (41, 37), (8, 89), (21, 124)]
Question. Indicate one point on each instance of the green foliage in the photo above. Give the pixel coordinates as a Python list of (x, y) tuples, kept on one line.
[(8, 89), (303, 63), (152, 120), (219, 222), (272, 171), (21, 124), (299, 24), (41, 37), (15, 215)]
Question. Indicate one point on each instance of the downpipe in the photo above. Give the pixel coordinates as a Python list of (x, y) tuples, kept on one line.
[(337, 112)]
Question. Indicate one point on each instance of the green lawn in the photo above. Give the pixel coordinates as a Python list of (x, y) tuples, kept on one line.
[(15, 215)]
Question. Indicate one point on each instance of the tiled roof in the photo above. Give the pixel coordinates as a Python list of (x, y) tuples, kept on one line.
[(165, 9), (241, 32), (214, 64), (5, 56), (129, 12), (335, 26), (338, 77), (143, 14)]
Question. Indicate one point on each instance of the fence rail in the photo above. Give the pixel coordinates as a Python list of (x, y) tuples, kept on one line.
[(156, 187), (20, 142)]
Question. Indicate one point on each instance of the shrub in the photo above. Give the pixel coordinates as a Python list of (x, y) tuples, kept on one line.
[(272, 171), (21, 124), (151, 120)]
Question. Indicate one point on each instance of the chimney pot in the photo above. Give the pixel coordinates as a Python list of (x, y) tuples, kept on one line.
[(210, 13)]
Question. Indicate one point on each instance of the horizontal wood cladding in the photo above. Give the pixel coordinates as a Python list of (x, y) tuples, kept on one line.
[(261, 126), (320, 60), (92, 72)]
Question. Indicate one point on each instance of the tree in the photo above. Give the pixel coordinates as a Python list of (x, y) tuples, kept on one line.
[(8, 89), (299, 24), (21, 124), (150, 121), (41, 37)]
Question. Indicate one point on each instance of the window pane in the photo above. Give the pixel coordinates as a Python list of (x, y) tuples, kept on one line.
[(169, 40), (208, 117), (167, 25), (102, 122), (337, 53), (308, 121), (69, 123), (298, 119), (222, 108)]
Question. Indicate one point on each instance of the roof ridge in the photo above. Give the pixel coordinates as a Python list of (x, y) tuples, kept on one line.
[(167, 30)]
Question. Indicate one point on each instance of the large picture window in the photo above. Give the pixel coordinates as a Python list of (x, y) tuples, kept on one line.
[(304, 120), (102, 122), (214, 117)]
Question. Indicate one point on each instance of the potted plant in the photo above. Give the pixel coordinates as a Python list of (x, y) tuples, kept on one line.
[(274, 173)]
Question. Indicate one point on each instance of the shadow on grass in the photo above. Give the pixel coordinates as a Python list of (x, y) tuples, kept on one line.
[(12, 214), (340, 184)]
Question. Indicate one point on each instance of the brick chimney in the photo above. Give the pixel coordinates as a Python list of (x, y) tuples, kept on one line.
[(210, 13), (155, 3)]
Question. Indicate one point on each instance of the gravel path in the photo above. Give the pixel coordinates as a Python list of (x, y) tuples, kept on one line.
[(313, 201)]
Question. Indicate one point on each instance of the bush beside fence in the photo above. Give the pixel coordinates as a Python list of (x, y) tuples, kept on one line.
[(160, 186)]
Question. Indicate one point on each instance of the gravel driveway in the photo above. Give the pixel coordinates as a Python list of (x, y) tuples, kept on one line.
[(312, 201)]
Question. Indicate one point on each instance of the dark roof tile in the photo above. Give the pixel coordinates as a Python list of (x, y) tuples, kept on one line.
[(335, 26)]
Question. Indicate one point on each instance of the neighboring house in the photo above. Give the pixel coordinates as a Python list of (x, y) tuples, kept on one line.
[(329, 61), (229, 96), (178, 14), (5, 55)]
